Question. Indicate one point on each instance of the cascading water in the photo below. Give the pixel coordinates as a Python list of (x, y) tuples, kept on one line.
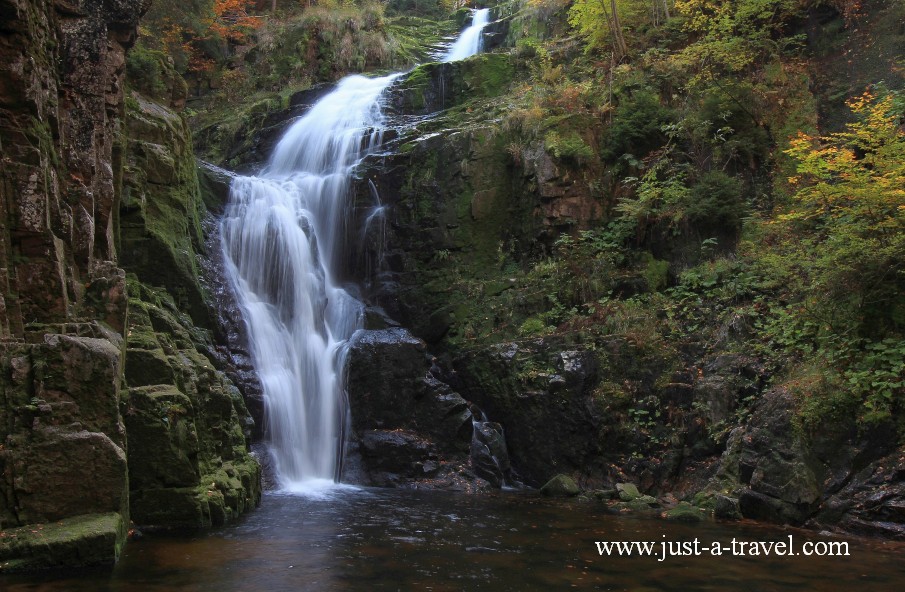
[(284, 240), (283, 237), (469, 42)]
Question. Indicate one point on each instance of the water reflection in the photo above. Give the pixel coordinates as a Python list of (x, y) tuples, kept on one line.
[(369, 539)]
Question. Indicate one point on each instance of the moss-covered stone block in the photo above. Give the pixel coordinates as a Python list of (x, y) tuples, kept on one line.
[(627, 491), (60, 422), (161, 208), (147, 367), (171, 508), (684, 512), (83, 540), (163, 439), (189, 464), (79, 378), (48, 474)]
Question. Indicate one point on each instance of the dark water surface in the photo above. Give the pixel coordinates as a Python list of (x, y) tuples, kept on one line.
[(370, 539)]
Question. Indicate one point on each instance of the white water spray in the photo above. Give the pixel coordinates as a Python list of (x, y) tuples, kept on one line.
[(469, 42), (284, 238)]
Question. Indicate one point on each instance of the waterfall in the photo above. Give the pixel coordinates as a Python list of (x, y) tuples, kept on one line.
[(283, 237), (469, 42), (284, 240)]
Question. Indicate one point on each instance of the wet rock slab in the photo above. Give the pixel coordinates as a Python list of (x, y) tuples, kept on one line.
[(411, 428)]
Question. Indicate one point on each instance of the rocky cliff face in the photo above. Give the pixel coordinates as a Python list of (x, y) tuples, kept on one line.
[(63, 299), (474, 199), (63, 67), (81, 415)]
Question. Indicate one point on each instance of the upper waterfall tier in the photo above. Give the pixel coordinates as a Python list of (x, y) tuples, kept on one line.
[(469, 42)]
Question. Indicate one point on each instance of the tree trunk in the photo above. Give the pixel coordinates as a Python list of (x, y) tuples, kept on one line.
[(616, 28)]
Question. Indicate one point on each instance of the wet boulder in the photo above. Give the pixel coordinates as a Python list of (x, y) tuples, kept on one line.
[(410, 427), (391, 387), (778, 478), (489, 457), (560, 486)]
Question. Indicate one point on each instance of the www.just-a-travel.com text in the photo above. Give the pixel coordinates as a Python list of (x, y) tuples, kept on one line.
[(695, 548)]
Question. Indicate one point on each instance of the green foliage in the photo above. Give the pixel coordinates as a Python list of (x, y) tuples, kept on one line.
[(590, 18), (661, 197), (878, 378), (594, 19), (145, 70), (656, 273), (568, 147), (732, 37), (637, 127), (715, 203), (851, 201), (421, 8), (823, 400), (532, 326), (667, 199)]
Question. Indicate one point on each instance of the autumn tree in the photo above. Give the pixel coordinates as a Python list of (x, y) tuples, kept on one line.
[(231, 20), (850, 202), (730, 37), (856, 176)]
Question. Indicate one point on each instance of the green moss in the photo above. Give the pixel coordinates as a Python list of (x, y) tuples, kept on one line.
[(488, 74), (568, 147), (160, 214), (90, 539), (417, 83), (684, 512), (189, 466), (655, 273)]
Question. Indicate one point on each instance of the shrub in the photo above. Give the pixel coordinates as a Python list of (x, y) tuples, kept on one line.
[(637, 127)]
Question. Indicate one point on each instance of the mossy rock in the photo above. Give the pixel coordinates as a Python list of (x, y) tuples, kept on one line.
[(684, 512), (604, 494), (171, 508), (161, 207), (560, 486), (627, 491), (90, 539), (163, 439), (189, 464), (147, 367), (726, 508), (437, 86)]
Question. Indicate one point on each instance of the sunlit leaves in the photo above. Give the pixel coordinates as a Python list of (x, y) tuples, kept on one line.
[(853, 176), (731, 36)]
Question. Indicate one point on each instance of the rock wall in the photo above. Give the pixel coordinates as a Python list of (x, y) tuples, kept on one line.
[(160, 212), (187, 424), (468, 195), (409, 427), (62, 298), (85, 426), (62, 71)]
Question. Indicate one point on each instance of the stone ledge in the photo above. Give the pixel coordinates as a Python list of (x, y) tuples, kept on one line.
[(90, 539)]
